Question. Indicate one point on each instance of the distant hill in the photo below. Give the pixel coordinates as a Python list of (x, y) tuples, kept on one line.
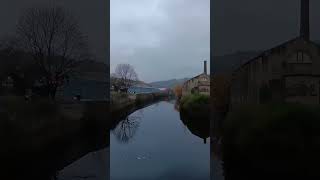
[(169, 83), (142, 84)]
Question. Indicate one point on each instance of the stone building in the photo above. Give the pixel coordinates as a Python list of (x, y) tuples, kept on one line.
[(198, 84), (286, 73)]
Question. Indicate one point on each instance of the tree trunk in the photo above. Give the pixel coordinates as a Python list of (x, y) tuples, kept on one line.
[(53, 92)]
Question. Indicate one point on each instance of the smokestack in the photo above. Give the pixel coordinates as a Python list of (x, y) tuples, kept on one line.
[(205, 67), (304, 20)]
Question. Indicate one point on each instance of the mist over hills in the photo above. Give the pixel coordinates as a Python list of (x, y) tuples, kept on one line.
[(168, 83), (221, 64)]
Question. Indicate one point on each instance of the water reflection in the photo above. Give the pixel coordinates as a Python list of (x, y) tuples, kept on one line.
[(162, 148), (199, 126), (127, 128)]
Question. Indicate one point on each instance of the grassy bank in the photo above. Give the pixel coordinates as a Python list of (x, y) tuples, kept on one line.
[(195, 105), (272, 141), (38, 123), (43, 131)]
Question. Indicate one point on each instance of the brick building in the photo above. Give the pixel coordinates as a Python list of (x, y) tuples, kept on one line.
[(286, 73), (198, 84)]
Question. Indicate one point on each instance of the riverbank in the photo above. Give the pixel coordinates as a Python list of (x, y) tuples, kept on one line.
[(122, 101), (41, 130), (43, 121), (272, 141), (123, 104), (195, 105)]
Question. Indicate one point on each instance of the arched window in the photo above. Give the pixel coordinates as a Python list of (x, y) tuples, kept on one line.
[(300, 57)]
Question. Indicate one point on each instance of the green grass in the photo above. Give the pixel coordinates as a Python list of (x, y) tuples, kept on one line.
[(265, 121), (194, 101), (195, 106)]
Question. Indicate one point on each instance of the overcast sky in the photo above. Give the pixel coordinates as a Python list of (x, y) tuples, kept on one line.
[(162, 39), (258, 24), (92, 16), (166, 39)]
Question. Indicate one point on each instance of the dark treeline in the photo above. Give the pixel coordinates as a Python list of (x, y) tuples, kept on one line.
[(43, 53)]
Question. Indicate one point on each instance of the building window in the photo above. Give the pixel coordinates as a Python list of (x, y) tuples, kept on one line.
[(303, 57), (299, 56)]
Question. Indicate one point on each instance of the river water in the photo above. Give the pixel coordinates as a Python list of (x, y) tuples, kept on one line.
[(153, 143)]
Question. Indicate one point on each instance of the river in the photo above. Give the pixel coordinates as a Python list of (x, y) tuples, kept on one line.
[(153, 143)]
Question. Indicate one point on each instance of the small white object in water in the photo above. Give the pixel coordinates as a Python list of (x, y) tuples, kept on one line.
[(142, 157)]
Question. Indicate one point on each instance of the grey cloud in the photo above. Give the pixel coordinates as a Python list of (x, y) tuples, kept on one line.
[(168, 39)]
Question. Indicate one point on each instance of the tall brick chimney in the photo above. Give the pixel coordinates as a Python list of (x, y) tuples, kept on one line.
[(205, 67), (305, 20)]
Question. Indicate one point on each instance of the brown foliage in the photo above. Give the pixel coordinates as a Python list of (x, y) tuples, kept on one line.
[(178, 91)]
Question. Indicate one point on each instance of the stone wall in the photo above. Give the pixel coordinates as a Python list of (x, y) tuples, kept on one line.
[(200, 84), (269, 69), (302, 89)]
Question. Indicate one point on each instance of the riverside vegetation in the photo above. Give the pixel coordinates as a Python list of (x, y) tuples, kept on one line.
[(41, 131), (272, 141), (195, 105)]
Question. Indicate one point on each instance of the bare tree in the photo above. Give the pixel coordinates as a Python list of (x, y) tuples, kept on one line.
[(54, 39), (127, 128), (124, 76)]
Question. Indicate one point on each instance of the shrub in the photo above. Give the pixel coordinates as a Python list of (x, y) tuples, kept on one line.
[(260, 135), (195, 106), (194, 101)]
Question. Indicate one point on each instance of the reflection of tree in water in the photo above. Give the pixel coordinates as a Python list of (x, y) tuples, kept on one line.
[(127, 128), (177, 106), (199, 126)]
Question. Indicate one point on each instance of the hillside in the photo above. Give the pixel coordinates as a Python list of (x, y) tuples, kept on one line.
[(142, 84), (169, 83)]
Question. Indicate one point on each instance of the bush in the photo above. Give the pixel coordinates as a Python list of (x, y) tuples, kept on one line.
[(195, 106), (293, 119), (260, 135), (194, 101)]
